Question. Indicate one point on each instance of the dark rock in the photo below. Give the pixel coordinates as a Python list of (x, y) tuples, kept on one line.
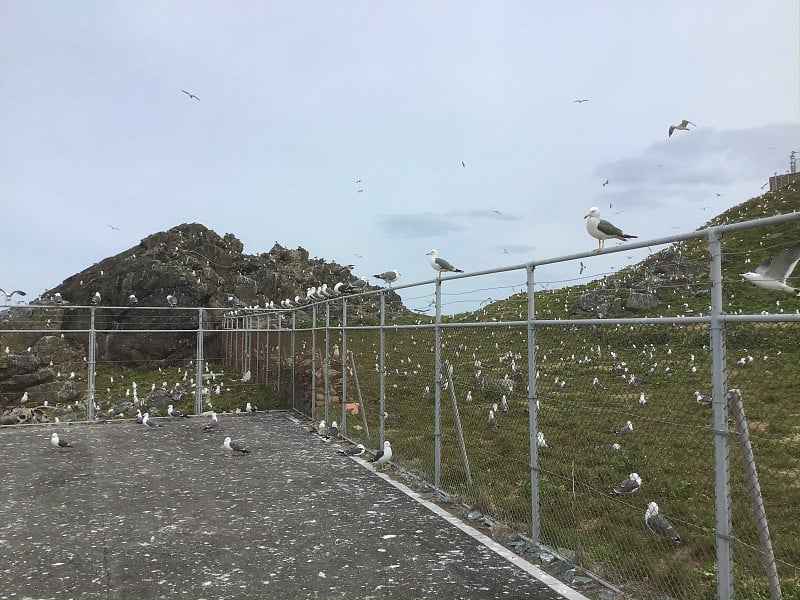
[(637, 301)]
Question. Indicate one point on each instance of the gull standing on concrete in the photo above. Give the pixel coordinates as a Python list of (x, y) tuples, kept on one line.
[(772, 273), (213, 422), (681, 127), (602, 230), (440, 264), (383, 456), (57, 443), (234, 447)]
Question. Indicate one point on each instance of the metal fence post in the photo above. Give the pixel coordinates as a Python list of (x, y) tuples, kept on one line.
[(279, 355), (198, 388), (343, 424), (722, 484), (91, 359), (382, 368), (533, 412), (294, 359), (437, 424), (326, 358), (313, 408), (267, 361)]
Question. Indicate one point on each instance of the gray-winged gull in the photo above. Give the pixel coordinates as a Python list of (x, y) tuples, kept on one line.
[(57, 443), (440, 264), (701, 399), (172, 412), (234, 447), (133, 300), (96, 298), (492, 423), (629, 485), (602, 230), (250, 408), (627, 429), (8, 295), (772, 273), (356, 450), (172, 300), (659, 524), (541, 442), (212, 422), (388, 276), (681, 127), (333, 431), (146, 421), (383, 456)]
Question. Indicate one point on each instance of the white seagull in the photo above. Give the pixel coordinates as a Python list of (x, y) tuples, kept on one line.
[(701, 399), (250, 408), (212, 422), (146, 421), (388, 276), (356, 450), (540, 441), (383, 456), (682, 127), (629, 485), (96, 298), (333, 431), (133, 300), (172, 300), (659, 524), (234, 447), (772, 273), (440, 264), (58, 443), (602, 230), (626, 430), (175, 413)]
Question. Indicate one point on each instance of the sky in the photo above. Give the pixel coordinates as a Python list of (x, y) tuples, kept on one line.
[(369, 132)]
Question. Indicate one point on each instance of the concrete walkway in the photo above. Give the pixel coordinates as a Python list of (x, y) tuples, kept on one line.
[(136, 512)]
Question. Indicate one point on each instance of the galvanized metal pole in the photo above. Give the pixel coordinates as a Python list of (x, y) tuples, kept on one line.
[(294, 359), (722, 484), (198, 387), (753, 485), (267, 361), (92, 366), (326, 360), (437, 421), (462, 447), (343, 424), (313, 362), (382, 368), (279, 355), (533, 412)]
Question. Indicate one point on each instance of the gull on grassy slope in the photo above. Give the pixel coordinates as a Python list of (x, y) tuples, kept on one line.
[(659, 524), (682, 126), (773, 272), (602, 230), (629, 485)]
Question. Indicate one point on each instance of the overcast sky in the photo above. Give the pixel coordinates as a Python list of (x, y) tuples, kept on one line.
[(342, 126)]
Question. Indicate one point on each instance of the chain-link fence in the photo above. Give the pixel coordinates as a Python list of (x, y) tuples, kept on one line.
[(642, 427)]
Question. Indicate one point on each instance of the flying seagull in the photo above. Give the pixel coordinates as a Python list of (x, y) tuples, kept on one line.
[(57, 443), (682, 126), (772, 273), (234, 447), (356, 450), (659, 524), (212, 422), (629, 485), (9, 294), (112, 227), (606, 182), (383, 456), (463, 164), (440, 264), (601, 229), (388, 276), (580, 101), (172, 412), (191, 95)]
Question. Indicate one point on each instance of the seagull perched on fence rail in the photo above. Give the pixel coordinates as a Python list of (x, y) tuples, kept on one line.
[(602, 230), (440, 264)]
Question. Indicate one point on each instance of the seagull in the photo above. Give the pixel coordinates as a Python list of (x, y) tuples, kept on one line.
[(388, 276), (250, 408), (582, 268), (383, 456), (322, 428), (139, 416), (112, 227), (234, 447), (772, 273), (493, 424), (440, 264), (191, 95), (212, 422), (146, 421), (172, 300), (175, 413), (629, 485), (57, 443), (580, 101), (9, 294), (626, 430), (463, 164), (356, 450), (606, 182), (602, 230), (682, 126), (540, 441), (58, 299), (96, 298), (596, 383), (133, 300), (333, 431), (659, 524), (701, 399)]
